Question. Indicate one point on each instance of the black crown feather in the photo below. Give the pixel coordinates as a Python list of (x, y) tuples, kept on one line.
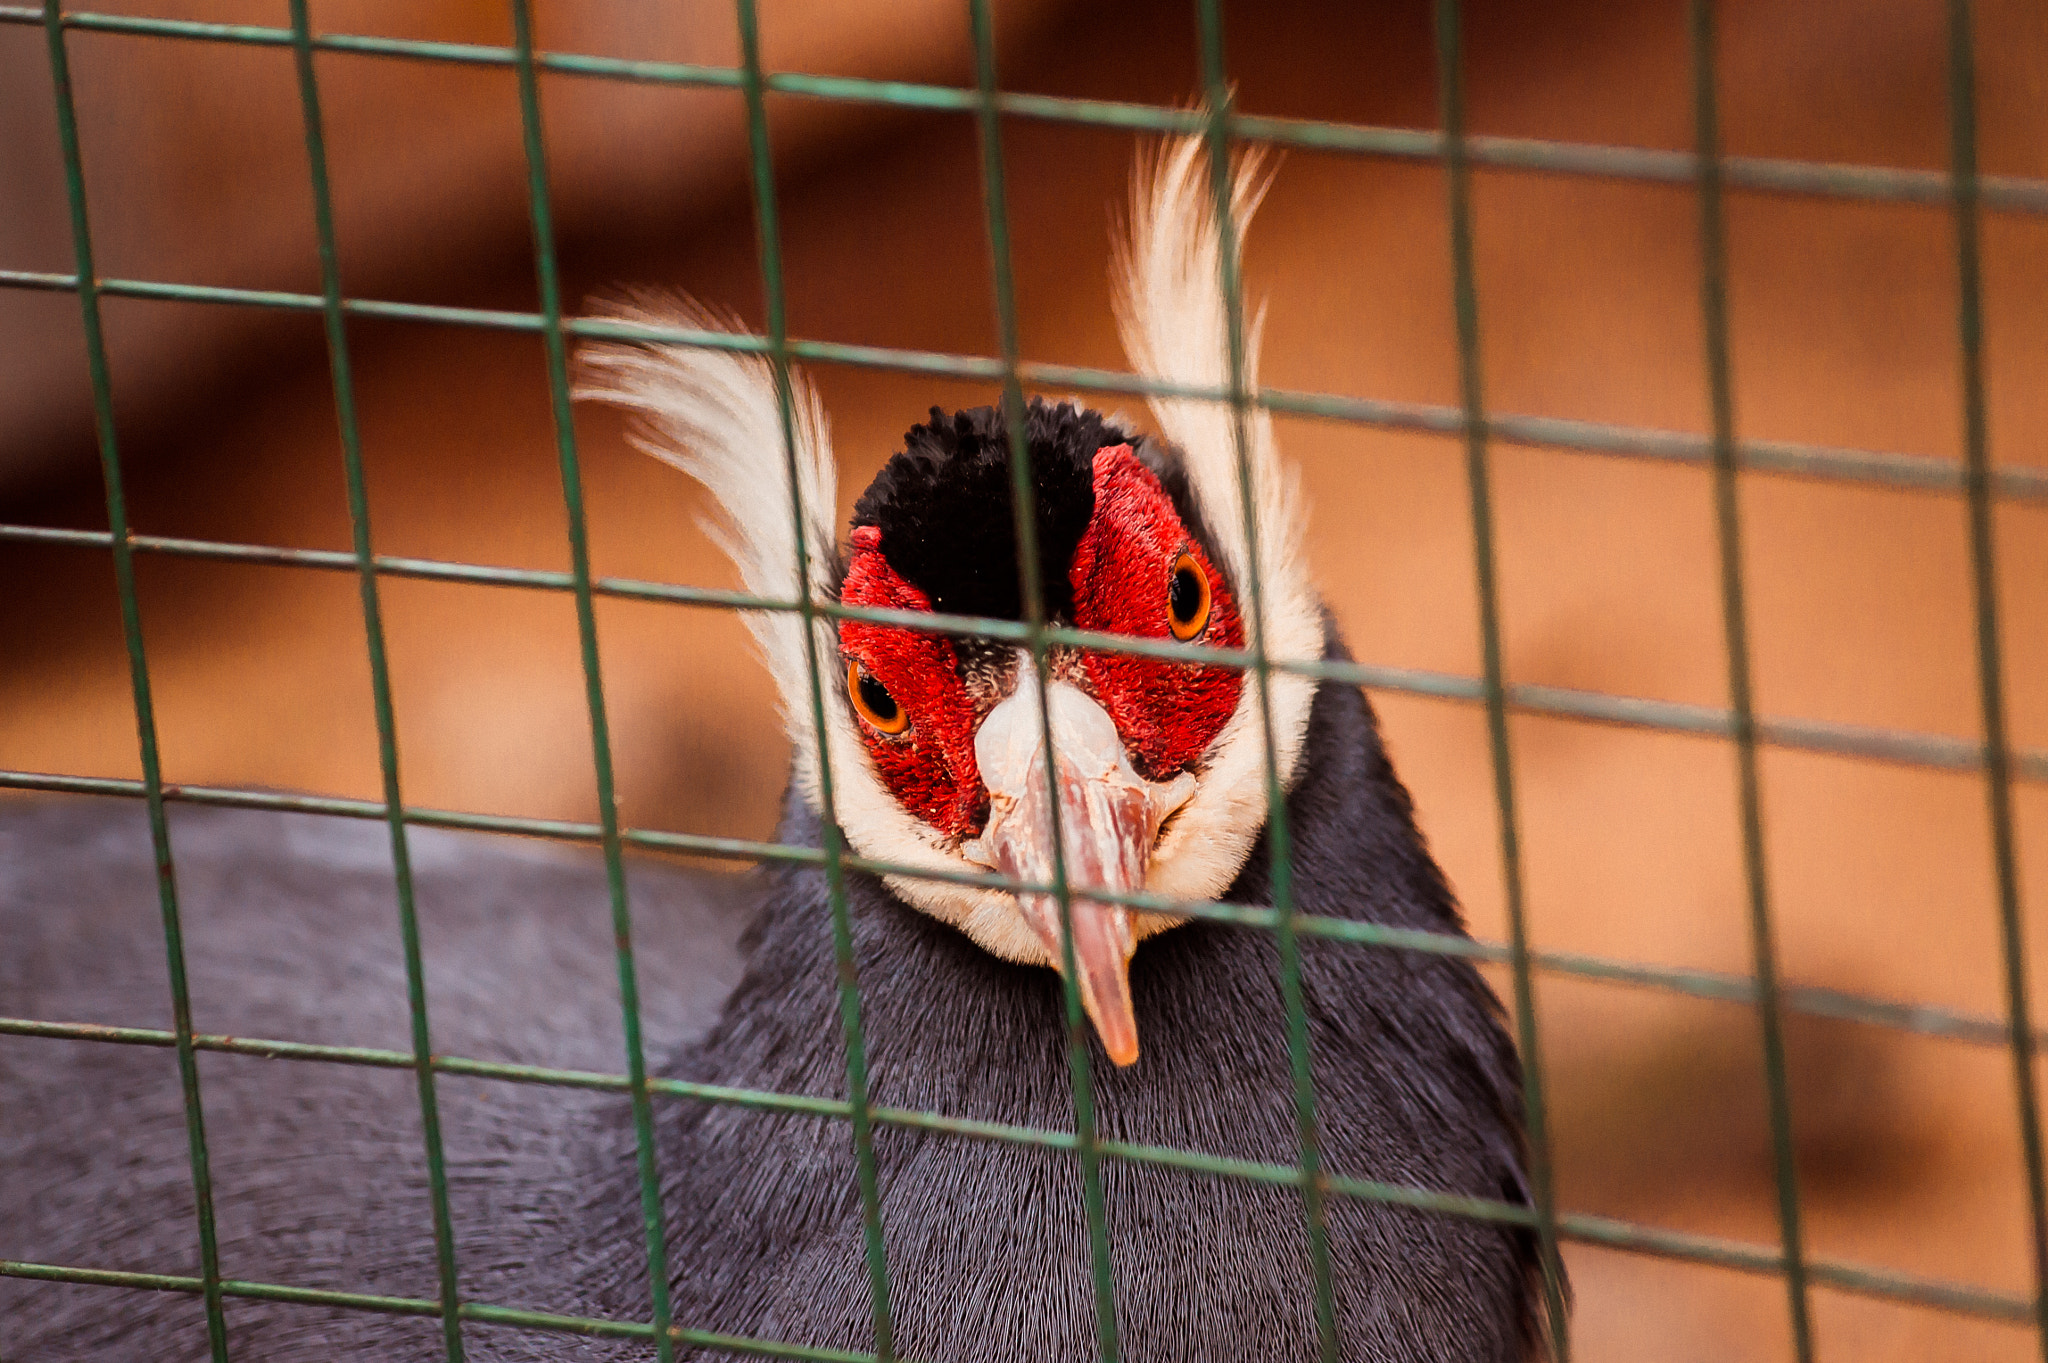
[(943, 505)]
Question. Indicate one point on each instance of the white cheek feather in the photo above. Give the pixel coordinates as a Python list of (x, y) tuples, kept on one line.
[(1171, 314)]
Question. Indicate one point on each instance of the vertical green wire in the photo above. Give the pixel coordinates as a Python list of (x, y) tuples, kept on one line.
[(1313, 1191), (138, 674), (593, 681), (1024, 507), (1962, 95), (1458, 176), (770, 244), (380, 679), (1735, 622)]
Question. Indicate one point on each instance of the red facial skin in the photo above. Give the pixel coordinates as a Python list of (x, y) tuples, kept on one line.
[(1167, 713), (930, 766)]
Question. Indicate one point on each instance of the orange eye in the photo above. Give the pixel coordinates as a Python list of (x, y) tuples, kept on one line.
[(873, 703), (1187, 598)]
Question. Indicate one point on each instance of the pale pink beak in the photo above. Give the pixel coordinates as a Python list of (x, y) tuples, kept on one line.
[(1109, 821)]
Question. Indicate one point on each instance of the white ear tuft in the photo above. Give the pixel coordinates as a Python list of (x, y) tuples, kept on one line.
[(1171, 313), (715, 415)]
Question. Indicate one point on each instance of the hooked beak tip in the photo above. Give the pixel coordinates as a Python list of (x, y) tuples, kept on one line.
[(1102, 957), (1121, 1043)]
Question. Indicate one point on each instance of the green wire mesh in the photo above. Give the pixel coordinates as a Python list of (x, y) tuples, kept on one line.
[(1961, 189), (1735, 623)]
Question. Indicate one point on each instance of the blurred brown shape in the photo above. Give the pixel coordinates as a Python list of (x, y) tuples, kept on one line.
[(1844, 333), (197, 173), (1695, 1102)]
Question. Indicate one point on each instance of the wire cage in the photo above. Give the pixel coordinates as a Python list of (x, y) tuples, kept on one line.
[(1974, 481)]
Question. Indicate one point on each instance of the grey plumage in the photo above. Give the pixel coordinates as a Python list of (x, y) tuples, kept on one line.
[(319, 1170), (320, 1178)]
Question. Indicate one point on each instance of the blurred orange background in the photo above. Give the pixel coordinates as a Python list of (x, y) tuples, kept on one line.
[(1844, 333)]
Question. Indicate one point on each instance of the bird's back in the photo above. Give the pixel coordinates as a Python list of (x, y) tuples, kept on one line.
[(319, 1170)]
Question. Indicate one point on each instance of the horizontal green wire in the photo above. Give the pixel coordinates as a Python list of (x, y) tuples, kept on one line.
[(1537, 155), (1828, 463), (788, 1104), (416, 1306), (1921, 1019), (1898, 746), (1606, 1232)]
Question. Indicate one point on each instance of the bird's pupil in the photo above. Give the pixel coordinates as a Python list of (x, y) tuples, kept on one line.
[(876, 697), (1185, 595)]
